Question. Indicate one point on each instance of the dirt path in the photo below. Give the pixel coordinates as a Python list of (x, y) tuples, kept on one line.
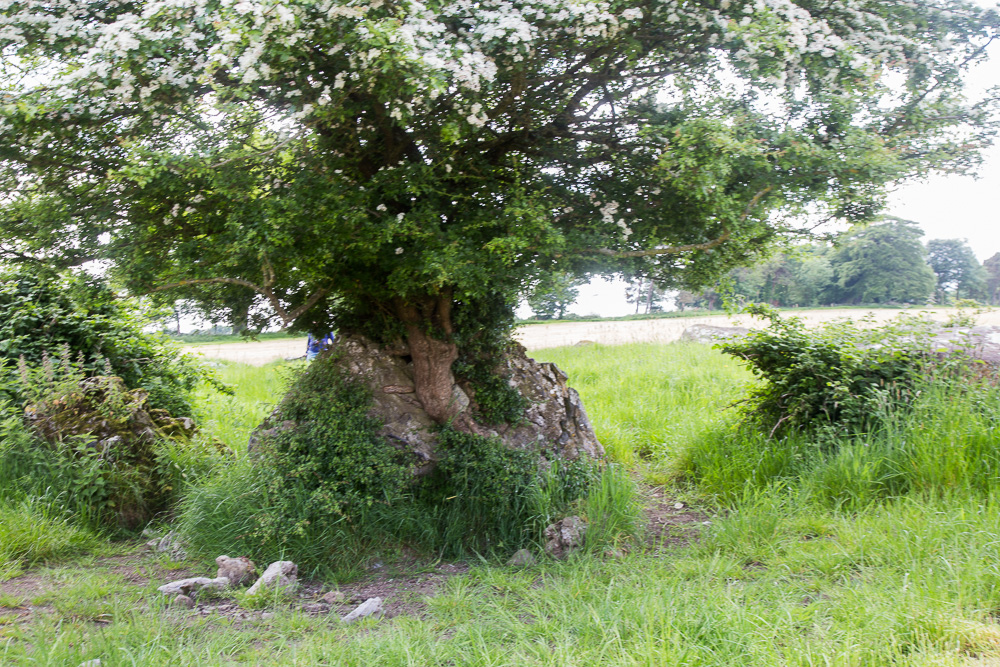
[(540, 336)]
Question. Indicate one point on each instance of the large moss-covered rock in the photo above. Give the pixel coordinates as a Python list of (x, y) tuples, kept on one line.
[(103, 410), (555, 423), (104, 445)]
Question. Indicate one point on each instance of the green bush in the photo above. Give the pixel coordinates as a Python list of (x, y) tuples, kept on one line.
[(835, 379), (41, 314), (331, 466), (82, 449)]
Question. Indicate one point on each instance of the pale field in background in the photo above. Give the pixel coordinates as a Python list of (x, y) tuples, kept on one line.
[(557, 334)]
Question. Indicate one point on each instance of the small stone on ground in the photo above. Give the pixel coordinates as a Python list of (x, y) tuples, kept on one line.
[(333, 597), (370, 607), (279, 574), (521, 558)]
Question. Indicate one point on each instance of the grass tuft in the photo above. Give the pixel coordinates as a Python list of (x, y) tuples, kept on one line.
[(32, 533)]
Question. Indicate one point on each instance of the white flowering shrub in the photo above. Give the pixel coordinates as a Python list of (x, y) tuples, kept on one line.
[(375, 165)]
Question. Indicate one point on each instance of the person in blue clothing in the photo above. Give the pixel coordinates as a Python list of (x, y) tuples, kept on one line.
[(316, 345)]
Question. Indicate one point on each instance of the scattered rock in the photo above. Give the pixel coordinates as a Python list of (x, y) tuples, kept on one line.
[(565, 536), (333, 597), (96, 662), (521, 558), (316, 608), (238, 570), (267, 615), (981, 344), (183, 601), (279, 574), (678, 506), (170, 544), (370, 607), (193, 585), (707, 333)]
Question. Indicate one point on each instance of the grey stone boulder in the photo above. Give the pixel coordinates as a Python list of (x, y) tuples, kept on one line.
[(564, 537), (170, 544), (555, 420), (555, 423), (980, 344), (521, 558), (239, 570), (280, 575)]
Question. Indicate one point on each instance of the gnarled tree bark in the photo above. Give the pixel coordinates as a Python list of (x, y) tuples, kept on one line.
[(432, 357)]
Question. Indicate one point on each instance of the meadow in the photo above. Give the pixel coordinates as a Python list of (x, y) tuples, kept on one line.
[(875, 549)]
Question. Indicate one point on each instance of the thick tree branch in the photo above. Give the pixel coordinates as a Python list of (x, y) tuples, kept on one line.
[(287, 317), (667, 250)]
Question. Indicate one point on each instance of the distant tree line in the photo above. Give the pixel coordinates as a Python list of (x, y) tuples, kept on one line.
[(881, 264)]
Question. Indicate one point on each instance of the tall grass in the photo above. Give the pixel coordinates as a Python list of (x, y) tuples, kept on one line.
[(223, 514), (647, 401), (946, 442), (32, 532), (231, 419)]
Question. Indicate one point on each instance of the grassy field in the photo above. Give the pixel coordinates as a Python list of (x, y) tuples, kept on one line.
[(874, 551), (195, 340)]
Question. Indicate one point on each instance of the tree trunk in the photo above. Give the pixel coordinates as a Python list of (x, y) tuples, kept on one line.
[(432, 357), (240, 318)]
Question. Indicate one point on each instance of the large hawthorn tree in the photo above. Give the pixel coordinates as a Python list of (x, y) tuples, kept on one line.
[(404, 169)]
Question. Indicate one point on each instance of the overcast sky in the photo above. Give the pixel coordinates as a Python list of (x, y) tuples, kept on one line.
[(960, 207), (944, 206)]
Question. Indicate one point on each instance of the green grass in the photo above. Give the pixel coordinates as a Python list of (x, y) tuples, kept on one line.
[(31, 533), (646, 401), (948, 442), (877, 551), (194, 340), (913, 583), (231, 419)]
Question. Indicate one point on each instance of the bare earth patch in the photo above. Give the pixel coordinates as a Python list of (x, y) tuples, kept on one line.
[(671, 524)]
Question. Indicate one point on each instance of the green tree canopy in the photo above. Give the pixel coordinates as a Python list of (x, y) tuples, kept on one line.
[(883, 263), (959, 273), (405, 169)]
